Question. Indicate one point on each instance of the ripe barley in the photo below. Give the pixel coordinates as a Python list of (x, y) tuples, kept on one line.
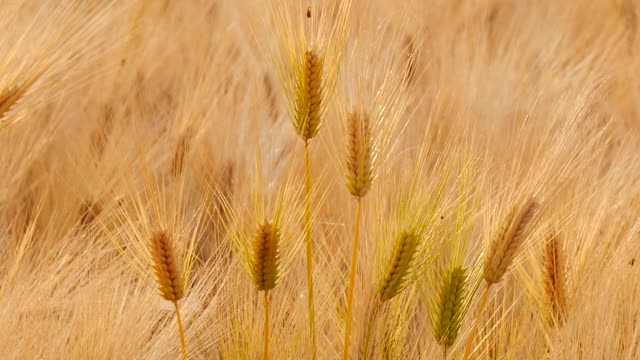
[(502, 252), (554, 280), (359, 154), (310, 97), (508, 241), (170, 283), (264, 265)]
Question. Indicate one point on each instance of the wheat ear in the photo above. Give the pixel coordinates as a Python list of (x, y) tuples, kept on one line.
[(502, 252), (168, 276)]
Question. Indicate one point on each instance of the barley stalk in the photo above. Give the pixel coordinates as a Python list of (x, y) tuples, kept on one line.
[(352, 277), (266, 325), (309, 246)]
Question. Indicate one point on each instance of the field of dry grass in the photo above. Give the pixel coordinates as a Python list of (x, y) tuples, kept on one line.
[(253, 179)]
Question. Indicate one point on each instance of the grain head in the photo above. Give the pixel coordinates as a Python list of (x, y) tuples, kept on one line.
[(450, 309), (554, 279), (508, 239), (360, 154), (307, 57), (264, 264), (166, 268)]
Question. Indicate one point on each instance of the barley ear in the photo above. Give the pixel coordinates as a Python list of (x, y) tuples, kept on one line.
[(397, 274), (554, 279), (309, 96), (450, 311), (168, 276), (359, 154), (265, 257), (508, 240)]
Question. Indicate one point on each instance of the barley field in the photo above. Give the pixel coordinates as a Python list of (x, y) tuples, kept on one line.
[(321, 179)]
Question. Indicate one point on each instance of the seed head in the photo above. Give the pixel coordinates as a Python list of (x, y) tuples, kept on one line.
[(265, 258), (359, 154), (449, 319), (554, 279), (398, 271), (169, 279), (508, 240), (309, 97)]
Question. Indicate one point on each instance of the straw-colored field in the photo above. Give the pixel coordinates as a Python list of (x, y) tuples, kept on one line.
[(337, 179)]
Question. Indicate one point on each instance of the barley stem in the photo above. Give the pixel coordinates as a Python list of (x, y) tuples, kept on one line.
[(352, 278), (372, 324), (483, 303), (266, 325), (183, 344), (307, 234)]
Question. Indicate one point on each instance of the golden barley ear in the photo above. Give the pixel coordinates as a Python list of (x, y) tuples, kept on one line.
[(89, 211), (449, 317), (10, 97), (182, 147), (309, 96), (265, 257), (554, 279), (169, 279), (11, 94), (359, 154), (508, 240), (398, 270)]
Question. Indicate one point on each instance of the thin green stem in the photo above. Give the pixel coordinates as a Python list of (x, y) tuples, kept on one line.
[(307, 235), (483, 303), (372, 324), (352, 278), (266, 325), (183, 343)]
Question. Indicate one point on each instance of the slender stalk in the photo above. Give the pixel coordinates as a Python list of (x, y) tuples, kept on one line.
[(483, 303), (352, 278), (307, 235), (372, 324), (266, 325), (183, 344)]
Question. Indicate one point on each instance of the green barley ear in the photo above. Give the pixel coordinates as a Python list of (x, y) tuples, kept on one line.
[(508, 240), (397, 275), (265, 257), (450, 309)]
